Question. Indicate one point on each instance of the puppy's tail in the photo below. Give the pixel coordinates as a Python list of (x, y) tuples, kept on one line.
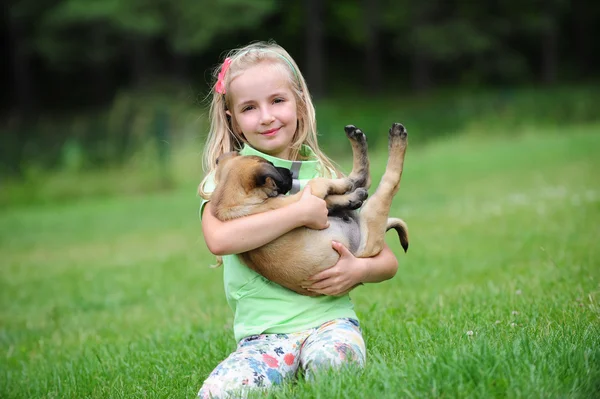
[(401, 228)]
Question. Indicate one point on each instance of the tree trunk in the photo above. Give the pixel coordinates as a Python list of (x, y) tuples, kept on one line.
[(550, 50), (139, 61), (24, 98), (21, 70), (581, 36), (101, 80), (179, 67), (421, 68), (315, 65), (372, 53), (421, 71)]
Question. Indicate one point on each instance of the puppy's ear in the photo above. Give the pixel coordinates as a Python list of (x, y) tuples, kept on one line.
[(223, 158), (272, 181), (267, 176)]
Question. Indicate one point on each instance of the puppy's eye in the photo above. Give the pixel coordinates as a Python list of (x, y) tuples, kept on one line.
[(261, 180)]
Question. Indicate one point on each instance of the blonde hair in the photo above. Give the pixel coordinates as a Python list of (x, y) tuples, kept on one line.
[(225, 137)]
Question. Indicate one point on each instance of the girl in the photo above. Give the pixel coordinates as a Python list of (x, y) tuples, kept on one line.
[(261, 106)]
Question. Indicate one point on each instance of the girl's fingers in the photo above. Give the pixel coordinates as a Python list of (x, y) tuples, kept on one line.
[(317, 277), (319, 285), (340, 248)]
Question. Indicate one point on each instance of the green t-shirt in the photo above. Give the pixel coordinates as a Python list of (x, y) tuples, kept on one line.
[(262, 306)]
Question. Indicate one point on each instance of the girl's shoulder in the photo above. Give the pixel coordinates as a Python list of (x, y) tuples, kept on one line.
[(205, 189), (208, 184)]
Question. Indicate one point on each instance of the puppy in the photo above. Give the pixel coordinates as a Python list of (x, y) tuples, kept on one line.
[(249, 184)]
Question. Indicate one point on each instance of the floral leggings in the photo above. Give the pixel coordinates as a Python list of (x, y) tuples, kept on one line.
[(261, 361)]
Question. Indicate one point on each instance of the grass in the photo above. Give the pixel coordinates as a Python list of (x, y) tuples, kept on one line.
[(497, 296)]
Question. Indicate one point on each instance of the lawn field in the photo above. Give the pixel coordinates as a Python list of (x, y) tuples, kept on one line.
[(498, 295)]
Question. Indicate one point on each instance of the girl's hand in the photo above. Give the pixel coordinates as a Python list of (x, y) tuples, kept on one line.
[(341, 278), (312, 210)]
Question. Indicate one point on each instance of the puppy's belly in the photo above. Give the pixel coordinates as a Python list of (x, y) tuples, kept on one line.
[(344, 227), (316, 245), (302, 253)]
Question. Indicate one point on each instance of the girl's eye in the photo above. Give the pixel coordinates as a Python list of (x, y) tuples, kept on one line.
[(278, 100), (247, 108)]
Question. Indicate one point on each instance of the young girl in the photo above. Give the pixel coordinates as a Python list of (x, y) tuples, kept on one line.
[(261, 106)]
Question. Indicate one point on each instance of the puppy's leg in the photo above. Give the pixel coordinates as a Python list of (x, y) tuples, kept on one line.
[(323, 187), (374, 214), (330, 189), (327, 189), (350, 192), (339, 193), (360, 175), (352, 200), (319, 187)]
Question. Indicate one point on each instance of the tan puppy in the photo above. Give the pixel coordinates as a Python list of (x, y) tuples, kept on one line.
[(249, 184)]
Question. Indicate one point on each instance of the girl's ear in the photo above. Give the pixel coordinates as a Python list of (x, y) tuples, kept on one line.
[(233, 124), (230, 118)]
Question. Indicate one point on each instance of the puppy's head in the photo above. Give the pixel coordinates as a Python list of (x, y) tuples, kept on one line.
[(255, 176)]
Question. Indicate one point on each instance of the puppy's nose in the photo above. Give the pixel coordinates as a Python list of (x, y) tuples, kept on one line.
[(285, 172)]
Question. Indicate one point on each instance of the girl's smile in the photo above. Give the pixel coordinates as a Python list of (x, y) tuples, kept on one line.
[(264, 109), (270, 132)]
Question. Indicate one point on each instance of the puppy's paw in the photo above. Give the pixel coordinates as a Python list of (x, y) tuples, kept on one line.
[(398, 130), (347, 187), (357, 198), (354, 204), (362, 193), (355, 133)]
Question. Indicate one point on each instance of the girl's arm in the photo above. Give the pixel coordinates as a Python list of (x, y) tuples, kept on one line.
[(350, 271), (250, 232)]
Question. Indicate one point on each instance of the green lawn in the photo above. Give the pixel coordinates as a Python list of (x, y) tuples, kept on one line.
[(497, 297)]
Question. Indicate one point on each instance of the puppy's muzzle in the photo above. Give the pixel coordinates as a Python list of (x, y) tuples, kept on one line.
[(285, 183)]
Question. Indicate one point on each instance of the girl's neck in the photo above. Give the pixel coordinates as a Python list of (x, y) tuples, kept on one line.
[(305, 154)]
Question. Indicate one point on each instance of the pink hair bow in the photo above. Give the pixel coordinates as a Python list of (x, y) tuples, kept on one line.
[(220, 85)]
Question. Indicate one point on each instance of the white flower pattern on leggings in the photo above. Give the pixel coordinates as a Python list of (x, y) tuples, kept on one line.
[(264, 360)]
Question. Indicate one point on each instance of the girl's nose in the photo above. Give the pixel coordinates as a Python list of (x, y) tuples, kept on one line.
[(266, 116)]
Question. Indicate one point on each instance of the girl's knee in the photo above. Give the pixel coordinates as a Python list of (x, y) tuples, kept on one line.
[(212, 389), (342, 355), (237, 379), (224, 389), (209, 391), (230, 381)]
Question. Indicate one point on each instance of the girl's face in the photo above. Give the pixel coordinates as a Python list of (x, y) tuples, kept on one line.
[(264, 109)]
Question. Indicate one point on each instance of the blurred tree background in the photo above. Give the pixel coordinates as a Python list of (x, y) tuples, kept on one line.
[(89, 84)]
